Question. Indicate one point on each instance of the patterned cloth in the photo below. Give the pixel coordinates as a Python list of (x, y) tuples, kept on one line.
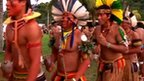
[(22, 76), (115, 7), (111, 71), (61, 77), (131, 71)]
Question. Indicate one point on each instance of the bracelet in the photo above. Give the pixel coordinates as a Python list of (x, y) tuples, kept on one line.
[(141, 62), (73, 79), (108, 45)]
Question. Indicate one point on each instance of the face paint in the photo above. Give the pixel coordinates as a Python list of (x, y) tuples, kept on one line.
[(68, 21), (14, 7)]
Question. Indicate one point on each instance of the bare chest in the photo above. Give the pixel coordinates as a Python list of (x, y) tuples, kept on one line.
[(68, 44), (110, 36), (20, 36)]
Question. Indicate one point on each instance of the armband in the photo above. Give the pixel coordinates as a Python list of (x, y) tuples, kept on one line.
[(108, 45), (137, 42), (31, 45), (141, 62), (73, 79)]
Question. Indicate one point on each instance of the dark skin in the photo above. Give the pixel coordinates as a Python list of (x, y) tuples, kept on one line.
[(106, 33), (31, 56), (141, 54), (70, 60)]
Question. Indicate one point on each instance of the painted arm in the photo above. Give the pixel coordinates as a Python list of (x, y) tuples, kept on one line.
[(136, 43), (50, 61), (34, 37), (6, 66), (83, 67), (7, 51)]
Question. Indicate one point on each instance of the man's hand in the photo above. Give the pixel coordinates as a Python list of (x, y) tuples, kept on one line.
[(102, 40), (6, 68)]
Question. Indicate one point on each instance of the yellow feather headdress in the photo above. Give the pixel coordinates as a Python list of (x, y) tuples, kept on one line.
[(72, 6), (115, 9)]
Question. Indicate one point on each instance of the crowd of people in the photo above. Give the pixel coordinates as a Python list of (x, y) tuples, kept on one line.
[(115, 41)]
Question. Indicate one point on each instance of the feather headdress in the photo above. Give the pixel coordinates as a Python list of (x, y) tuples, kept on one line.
[(72, 6), (115, 8), (131, 16)]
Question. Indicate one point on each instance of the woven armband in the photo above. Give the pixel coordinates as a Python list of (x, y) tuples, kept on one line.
[(108, 45), (32, 45), (136, 42)]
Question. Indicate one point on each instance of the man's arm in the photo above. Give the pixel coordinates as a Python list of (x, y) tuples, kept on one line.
[(102, 41), (83, 66), (136, 44), (50, 61), (34, 44), (7, 52), (7, 61)]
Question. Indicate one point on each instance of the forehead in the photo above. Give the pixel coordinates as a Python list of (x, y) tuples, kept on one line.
[(126, 21), (103, 11)]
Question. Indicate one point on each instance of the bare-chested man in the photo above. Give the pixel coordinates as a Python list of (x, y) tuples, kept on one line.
[(140, 31), (112, 39), (131, 70), (23, 43), (71, 62)]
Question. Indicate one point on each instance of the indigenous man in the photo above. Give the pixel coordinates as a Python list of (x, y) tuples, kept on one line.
[(112, 39), (140, 31), (71, 61), (23, 43), (131, 72)]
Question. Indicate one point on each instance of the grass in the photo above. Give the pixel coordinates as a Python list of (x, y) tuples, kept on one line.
[(90, 74)]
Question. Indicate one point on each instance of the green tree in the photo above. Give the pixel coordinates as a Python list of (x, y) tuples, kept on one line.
[(44, 9)]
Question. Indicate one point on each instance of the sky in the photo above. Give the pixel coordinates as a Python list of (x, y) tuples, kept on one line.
[(32, 1)]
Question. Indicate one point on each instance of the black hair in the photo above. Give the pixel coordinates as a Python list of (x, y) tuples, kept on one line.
[(103, 7), (125, 18), (28, 5), (107, 7), (140, 25)]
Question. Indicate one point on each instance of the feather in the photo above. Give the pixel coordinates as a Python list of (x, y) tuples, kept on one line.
[(133, 21), (82, 23), (56, 10), (116, 8), (81, 12), (76, 5), (57, 18), (65, 4), (58, 5), (71, 4)]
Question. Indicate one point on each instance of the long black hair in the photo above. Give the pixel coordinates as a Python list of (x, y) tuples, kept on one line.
[(28, 5)]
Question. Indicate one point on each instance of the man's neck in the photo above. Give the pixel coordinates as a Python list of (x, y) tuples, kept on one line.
[(128, 30), (107, 25), (19, 16)]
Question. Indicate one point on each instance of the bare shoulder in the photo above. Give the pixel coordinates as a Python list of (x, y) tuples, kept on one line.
[(97, 29), (33, 31), (78, 32), (136, 35)]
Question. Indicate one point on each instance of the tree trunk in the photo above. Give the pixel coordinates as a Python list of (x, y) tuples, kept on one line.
[(1, 25)]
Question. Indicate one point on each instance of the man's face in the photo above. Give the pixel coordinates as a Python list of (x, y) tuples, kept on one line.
[(14, 7), (68, 21), (102, 18), (126, 25)]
